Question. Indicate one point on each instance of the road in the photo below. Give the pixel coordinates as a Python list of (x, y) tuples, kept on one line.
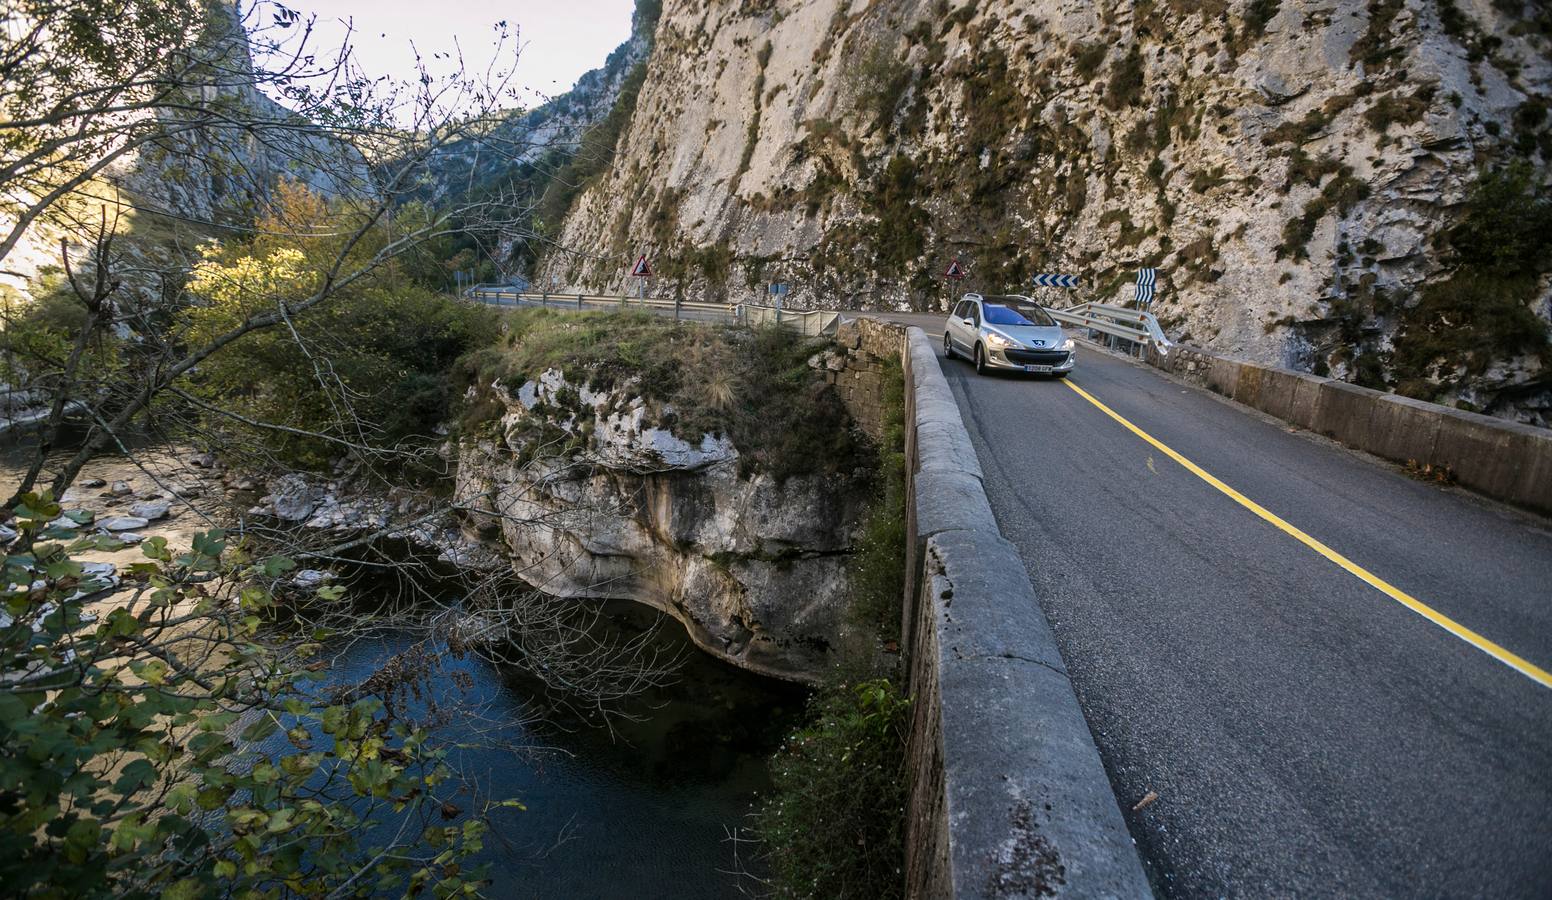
[(1305, 733)]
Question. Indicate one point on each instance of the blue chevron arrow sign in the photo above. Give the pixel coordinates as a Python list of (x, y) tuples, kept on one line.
[(1044, 280), (1146, 280)]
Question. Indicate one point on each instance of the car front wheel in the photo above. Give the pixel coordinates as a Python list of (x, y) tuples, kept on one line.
[(980, 360), (948, 346)]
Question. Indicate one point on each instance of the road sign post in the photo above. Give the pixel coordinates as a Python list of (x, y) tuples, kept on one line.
[(954, 275), (643, 270), (1147, 280)]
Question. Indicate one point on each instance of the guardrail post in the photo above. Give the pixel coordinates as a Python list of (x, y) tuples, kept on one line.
[(677, 301), (579, 303)]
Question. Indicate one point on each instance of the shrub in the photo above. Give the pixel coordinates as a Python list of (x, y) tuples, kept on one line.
[(1393, 110), (1088, 59), (1341, 193), (1258, 13), (877, 574), (1481, 313), (877, 78), (371, 364), (899, 234), (1374, 49), (833, 823), (1126, 82)]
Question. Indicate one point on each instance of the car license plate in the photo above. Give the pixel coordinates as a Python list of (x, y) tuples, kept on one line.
[(1042, 370)]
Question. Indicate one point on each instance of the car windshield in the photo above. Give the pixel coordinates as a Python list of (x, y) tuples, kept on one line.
[(1007, 312)]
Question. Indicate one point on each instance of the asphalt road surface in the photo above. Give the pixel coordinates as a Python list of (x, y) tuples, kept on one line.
[(1305, 733)]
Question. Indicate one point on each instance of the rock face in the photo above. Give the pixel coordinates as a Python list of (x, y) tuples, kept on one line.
[(205, 176), (754, 568), (1288, 165), (498, 157)]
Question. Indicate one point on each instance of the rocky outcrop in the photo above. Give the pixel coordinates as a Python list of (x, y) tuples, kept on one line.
[(183, 187), (1288, 165), (590, 497)]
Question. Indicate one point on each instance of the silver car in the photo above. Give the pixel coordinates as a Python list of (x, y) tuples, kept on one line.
[(1009, 333)]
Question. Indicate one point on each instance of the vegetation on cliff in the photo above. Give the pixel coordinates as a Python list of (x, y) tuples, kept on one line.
[(833, 822), (1481, 313), (752, 385)]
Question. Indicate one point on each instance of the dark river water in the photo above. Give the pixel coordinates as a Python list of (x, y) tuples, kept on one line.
[(644, 811)]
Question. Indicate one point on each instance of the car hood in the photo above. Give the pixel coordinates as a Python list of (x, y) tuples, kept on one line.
[(1040, 336)]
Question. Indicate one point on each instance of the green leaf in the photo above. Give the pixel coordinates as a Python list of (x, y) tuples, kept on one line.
[(276, 566), (210, 543), (261, 729), (186, 889), (134, 776)]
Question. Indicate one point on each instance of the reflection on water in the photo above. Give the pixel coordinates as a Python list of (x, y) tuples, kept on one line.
[(644, 812)]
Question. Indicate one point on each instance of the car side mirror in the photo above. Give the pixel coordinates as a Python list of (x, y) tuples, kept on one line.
[(968, 321)]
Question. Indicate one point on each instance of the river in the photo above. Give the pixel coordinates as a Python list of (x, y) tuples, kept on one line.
[(643, 810)]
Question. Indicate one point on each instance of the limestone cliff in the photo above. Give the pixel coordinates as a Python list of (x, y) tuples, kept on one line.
[(1291, 166), (590, 494), (215, 157)]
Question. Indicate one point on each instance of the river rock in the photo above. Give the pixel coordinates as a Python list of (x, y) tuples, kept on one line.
[(292, 498), (93, 483), (121, 489), (151, 509), (186, 490), (202, 461), (123, 523), (243, 483), (311, 579)]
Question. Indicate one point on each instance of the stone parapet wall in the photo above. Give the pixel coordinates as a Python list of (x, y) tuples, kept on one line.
[(1008, 797), (1504, 460)]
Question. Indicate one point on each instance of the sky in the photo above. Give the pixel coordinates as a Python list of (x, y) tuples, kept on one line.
[(560, 39)]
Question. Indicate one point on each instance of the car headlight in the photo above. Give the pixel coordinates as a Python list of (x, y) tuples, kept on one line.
[(998, 341), (1068, 345)]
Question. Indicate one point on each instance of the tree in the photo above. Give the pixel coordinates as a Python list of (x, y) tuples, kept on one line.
[(129, 719), (166, 89), (132, 702)]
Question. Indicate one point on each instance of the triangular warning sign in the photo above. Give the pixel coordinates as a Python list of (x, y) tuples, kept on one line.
[(955, 270), (642, 269)]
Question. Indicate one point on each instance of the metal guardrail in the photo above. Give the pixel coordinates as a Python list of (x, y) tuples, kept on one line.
[(809, 322), (1128, 324)]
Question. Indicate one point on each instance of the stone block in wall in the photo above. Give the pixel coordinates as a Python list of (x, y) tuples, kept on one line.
[(1345, 412), (1402, 429), (1502, 459)]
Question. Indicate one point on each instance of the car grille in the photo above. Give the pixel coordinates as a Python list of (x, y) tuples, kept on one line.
[(1036, 357)]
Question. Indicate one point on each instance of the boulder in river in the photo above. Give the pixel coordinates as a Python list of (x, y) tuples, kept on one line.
[(151, 509)]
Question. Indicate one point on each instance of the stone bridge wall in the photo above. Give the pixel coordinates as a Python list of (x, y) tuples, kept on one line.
[(1505, 460), (1008, 797)]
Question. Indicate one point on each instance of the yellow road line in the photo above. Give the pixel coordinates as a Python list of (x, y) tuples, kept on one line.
[(1519, 664)]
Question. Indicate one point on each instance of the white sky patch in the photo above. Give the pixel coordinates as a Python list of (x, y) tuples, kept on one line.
[(558, 41)]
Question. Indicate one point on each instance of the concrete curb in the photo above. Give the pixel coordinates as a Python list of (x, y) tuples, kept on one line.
[(1008, 796), (1507, 461)]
